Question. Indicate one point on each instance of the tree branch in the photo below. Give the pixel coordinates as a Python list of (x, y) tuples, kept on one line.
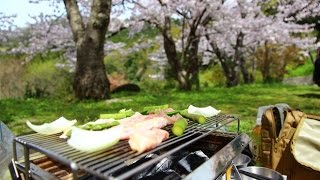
[(194, 27), (75, 19), (99, 17)]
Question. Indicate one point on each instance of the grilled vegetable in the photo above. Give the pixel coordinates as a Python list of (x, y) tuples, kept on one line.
[(179, 126), (113, 116), (194, 117), (123, 113), (154, 109), (99, 125), (171, 113), (128, 112)]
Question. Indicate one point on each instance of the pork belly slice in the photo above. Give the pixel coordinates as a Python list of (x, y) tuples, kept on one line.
[(155, 122), (139, 122), (170, 119), (147, 139)]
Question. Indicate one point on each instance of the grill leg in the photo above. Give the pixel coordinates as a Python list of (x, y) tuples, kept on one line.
[(14, 147), (27, 162), (74, 168)]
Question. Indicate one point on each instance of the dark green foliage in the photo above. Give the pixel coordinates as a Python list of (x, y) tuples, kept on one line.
[(273, 61), (42, 78), (301, 70), (135, 65)]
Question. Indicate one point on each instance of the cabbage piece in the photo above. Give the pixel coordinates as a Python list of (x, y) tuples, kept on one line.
[(54, 127), (204, 111), (90, 141)]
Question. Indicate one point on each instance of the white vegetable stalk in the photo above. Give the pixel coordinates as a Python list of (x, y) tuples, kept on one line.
[(90, 141), (204, 111), (54, 127)]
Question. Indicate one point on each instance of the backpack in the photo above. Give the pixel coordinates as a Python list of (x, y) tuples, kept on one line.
[(277, 130)]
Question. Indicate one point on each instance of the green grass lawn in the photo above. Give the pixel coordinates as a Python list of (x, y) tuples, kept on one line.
[(242, 101)]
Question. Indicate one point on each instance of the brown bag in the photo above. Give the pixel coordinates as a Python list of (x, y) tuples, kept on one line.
[(276, 133)]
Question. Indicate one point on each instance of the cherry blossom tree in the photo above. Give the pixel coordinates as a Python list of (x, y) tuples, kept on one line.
[(238, 29), (231, 30), (6, 27), (188, 18), (90, 77), (80, 32), (302, 12)]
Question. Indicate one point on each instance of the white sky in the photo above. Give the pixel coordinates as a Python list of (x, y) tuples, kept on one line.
[(22, 8)]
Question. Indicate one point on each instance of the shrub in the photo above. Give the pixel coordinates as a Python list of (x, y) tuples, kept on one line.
[(11, 84), (43, 78), (154, 86), (273, 59), (213, 76), (300, 70)]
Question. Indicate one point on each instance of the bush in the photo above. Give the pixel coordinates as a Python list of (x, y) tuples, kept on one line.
[(153, 86), (11, 84), (43, 78), (213, 76), (301, 70), (274, 59)]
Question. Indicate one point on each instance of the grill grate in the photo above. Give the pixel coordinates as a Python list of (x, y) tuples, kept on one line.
[(106, 163)]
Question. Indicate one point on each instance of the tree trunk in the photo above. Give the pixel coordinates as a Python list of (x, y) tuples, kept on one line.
[(193, 63), (230, 67), (231, 71), (233, 75), (266, 77), (247, 77), (185, 64), (238, 57), (90, 81), (175, 66), (172, 56)]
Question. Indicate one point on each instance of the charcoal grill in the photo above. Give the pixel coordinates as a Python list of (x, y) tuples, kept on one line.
[(49, 157)]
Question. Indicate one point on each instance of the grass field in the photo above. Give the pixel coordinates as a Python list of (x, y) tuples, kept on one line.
[(242, 101)]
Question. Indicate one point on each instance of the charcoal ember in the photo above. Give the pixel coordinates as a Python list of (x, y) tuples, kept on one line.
[(137, 163), (176, 157), (168, 174), (162, 166), (192, 161)]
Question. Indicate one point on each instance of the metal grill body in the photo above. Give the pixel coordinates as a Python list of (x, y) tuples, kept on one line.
[(109, 163)]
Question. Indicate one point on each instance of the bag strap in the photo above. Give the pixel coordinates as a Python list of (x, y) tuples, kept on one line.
[(281, 108), (292, 119)]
